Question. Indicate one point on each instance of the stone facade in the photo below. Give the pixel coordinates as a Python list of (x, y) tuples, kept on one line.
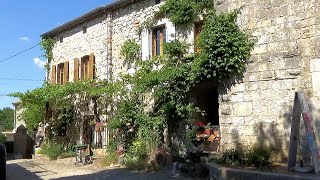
[(77, 44), (255, 108), (258, 108)]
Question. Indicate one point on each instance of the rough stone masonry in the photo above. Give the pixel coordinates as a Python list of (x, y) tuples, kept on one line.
[(255, 108)]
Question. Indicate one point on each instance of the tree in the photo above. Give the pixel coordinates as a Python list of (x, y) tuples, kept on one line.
[(7, 118)]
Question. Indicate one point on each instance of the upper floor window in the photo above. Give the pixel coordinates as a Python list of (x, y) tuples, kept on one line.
[(60, 73), (61, 39), (158, 1), (197, 31), (158, 39), (85, 68)]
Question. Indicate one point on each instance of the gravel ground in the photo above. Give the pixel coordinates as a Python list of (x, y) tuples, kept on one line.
[(66, 170)]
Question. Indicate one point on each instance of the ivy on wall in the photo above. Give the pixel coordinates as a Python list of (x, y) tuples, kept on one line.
[(166, 80)]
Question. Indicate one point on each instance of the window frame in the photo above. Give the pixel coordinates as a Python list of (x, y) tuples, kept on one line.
[(198, 26), (159, 37), (60, 73), (85, 71)]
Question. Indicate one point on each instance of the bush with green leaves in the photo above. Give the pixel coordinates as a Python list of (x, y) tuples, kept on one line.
[(3, 138), (233, 157), (109, 159), (130, 50), (52, 150), (259, 156)]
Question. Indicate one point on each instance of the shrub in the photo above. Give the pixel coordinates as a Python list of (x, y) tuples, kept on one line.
[(108, 159), (233, 157), (3, 138), (135, 163), (259, 156), (53, 151)]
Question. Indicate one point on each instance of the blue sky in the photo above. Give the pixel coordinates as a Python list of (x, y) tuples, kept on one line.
[(21, 24)]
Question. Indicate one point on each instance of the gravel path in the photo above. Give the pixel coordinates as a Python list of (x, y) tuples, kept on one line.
[(40, 169)]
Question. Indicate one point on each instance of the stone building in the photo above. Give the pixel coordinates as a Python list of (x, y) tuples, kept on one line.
[(255, 108)]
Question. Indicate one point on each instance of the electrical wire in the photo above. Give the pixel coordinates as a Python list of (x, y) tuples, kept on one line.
[(15, 79), (6, 59)]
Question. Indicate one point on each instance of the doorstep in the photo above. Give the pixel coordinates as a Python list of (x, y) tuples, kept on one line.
[(218, 172)]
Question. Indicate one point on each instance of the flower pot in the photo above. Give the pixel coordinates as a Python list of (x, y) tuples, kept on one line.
[(97, 128)]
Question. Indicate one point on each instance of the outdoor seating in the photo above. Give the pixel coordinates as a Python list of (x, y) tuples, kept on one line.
[(82, 154)]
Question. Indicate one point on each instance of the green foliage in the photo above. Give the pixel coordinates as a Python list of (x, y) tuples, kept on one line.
[(130, 51), (224, 47), (52, 150), (175, 49), (3, 138), (135, 163), (7, 118), (233, 157), (108, 159), (259, 156), (47, 46), (166, 80), (182, 12), (179, 11)]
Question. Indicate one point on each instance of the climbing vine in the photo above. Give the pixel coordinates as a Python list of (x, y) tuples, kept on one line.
[(47, 46), (165, 81)]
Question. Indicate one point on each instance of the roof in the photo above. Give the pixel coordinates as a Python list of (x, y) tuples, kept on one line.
[(85, 17)]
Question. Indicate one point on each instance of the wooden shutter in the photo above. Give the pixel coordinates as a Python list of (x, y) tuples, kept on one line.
[(161, 42), (66, 72), (197, 31), (76, 70), (91, 66), (154, 43), (53, 74)]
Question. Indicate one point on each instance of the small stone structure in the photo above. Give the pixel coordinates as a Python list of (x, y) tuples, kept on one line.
[(255, 108), (23, 143)]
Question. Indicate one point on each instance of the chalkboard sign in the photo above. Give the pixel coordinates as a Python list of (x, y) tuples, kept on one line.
[(301, 108)]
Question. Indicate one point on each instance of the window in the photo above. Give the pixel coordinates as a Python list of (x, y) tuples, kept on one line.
[(85, 68), (158, 1), (197, 31), (61, 39), (84, 28), (60, 73), (158, 39)]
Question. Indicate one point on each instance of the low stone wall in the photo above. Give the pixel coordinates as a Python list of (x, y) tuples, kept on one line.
[(222, 173)]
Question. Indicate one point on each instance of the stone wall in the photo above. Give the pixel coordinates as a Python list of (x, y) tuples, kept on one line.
[(254, 108), (77, 44), (257, 109), (126, 22)]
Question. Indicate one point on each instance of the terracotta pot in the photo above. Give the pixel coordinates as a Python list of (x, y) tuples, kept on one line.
[(97, 128)]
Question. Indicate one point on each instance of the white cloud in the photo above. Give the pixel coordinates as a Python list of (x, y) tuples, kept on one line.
[(39, 63), (24, 38)]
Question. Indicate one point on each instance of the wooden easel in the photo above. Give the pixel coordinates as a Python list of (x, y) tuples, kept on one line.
[(301, 107)]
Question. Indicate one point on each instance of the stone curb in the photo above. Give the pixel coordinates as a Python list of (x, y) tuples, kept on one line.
[(218, 172)]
